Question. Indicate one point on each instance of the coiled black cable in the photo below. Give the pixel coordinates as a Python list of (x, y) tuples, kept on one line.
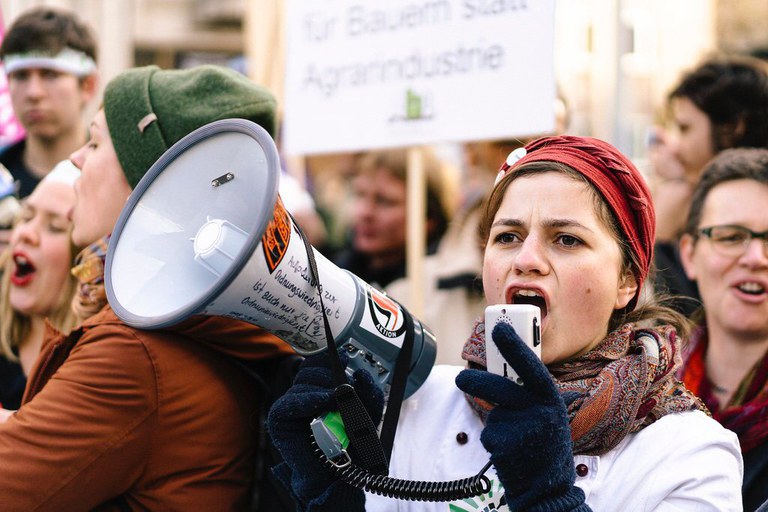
[(383, 485), (413, 490)]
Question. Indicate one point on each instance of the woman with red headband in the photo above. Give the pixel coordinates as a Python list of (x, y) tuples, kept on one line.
[(601, 422)]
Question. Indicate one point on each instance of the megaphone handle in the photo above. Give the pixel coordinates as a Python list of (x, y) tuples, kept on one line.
[(360, 428)]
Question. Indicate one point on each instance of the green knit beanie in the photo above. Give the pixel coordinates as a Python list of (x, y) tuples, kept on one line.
[(149, 109)]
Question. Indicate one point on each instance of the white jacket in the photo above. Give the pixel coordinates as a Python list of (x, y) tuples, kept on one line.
[(683, 461)]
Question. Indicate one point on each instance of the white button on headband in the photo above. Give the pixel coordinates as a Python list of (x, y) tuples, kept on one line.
[(516, 155), (512, 159)]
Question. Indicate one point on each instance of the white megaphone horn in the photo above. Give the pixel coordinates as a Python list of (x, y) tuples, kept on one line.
[(205, 232)]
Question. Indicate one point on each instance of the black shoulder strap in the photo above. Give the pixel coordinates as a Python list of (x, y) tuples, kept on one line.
[(358, 425)]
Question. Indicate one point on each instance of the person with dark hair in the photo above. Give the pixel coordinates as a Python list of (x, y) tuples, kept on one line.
[(118, 418), (725, 250), (49, 56), (600, 421), (721, 104)]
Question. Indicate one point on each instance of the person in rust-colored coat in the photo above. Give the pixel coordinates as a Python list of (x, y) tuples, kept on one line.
[(117, 418)]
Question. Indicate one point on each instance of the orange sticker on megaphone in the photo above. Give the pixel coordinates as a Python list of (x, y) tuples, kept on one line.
[(276, 237)]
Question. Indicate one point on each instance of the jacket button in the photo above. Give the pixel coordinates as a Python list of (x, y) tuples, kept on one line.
[(582, 470), (462, 438)]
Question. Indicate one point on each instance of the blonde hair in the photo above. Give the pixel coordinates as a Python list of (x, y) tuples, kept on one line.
[(14, 326)]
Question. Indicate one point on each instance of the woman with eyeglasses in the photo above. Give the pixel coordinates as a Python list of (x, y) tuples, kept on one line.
[(725, 250)]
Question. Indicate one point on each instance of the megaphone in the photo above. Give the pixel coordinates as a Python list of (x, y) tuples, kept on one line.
[(205, 232)]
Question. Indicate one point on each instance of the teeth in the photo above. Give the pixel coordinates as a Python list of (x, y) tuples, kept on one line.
[(528, 293), (21, 260), (751, 287)]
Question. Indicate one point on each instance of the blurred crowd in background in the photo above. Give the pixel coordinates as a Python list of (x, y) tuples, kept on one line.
[(674, 100)]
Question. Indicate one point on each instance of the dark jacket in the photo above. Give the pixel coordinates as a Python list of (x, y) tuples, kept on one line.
[(11, 158), (755, 489), (12, 382), (358, 263), (670, 279)]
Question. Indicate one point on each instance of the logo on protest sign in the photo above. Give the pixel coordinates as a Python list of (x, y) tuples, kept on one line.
[(415, 106), (403, 73)]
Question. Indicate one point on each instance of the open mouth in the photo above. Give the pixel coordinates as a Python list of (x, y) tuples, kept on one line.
[(531, 297), (751, 288), (23, 270)]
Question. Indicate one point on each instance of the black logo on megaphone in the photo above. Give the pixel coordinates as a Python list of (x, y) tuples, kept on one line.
[(386, 314)]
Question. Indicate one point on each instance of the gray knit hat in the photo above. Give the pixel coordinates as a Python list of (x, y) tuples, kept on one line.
[(149, 109)]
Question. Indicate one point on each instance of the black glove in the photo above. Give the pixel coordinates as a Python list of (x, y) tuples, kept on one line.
[(527, 433), (313, 485)]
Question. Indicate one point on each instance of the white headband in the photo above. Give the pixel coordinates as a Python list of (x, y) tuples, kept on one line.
[(67, 61), (64, 172)]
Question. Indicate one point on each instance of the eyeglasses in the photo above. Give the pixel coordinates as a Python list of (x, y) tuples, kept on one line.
[(733, 240)]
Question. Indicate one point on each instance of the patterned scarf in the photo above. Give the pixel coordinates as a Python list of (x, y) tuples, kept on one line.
[(747, 412), (624, 384), (89, 271)]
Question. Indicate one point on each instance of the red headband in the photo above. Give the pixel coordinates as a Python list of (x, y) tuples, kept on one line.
[(614, 176)]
